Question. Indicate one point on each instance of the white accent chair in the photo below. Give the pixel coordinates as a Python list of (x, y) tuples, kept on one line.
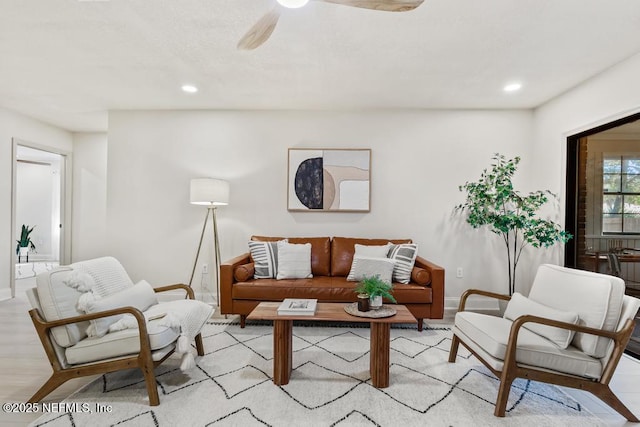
[(570, 331), (62, 327)]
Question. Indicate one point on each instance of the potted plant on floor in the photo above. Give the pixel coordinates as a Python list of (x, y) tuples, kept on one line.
[(493, 202), (375, 289), (25, 244)]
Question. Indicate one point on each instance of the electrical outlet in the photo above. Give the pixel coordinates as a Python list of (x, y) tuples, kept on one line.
[(459, 273), (205, 268)]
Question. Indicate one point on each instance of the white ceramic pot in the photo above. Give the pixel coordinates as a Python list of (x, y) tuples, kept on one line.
[(24, 250), (375, 302)]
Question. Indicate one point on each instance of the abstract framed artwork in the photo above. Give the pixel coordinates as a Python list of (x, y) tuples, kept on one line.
[(329, 180)]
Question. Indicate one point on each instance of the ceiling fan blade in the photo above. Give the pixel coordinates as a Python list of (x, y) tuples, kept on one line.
[(260, 32), (384, 5)]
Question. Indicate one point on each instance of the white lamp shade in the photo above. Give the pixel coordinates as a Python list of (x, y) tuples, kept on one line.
[(209, 191), (293, 4)]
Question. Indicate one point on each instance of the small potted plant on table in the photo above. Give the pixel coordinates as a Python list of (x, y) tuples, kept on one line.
[(372, 290)]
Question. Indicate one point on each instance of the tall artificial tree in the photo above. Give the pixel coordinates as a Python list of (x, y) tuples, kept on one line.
[(493, 202)]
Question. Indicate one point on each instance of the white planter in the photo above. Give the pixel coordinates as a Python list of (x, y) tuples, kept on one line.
[(24, 250), (375, 302)]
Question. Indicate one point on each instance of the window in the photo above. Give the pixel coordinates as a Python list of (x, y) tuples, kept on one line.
[(621, 195)]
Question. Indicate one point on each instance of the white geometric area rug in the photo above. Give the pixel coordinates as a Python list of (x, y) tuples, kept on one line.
[(330, 386)]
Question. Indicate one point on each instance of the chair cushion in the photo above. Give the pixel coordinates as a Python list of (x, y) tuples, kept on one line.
[(140, 296), (520, 305), (58, 301), (120, 343), (491, 334), (596, 298), (108, 274)]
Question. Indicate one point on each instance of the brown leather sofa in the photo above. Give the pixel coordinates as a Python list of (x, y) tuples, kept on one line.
[(331, 261)]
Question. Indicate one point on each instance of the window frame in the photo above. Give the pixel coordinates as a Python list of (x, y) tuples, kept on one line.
[(621, 175)]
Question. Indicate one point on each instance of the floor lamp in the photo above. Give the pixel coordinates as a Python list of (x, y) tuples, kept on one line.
[(211, 193)]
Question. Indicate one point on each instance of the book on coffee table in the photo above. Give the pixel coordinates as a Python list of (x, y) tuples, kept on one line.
[(298, 307)]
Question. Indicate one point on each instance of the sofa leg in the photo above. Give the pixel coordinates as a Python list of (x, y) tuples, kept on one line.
[(243, 320), (420, 325)]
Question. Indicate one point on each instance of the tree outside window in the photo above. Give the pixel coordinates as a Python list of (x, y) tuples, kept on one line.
[(621, 198)]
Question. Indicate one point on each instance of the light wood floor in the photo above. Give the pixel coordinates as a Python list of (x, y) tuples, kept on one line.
[(24, 368)]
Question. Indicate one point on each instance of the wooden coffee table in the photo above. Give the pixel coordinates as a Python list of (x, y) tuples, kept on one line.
[(330, 312)]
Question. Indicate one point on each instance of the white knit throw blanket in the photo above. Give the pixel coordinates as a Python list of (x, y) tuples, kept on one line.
[(184, 316)]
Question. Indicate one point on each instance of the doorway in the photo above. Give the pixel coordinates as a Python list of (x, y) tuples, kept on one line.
[(39, 189), (603, 203)]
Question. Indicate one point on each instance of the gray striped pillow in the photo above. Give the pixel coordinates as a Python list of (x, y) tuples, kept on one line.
[(405, 257), (265, 258)]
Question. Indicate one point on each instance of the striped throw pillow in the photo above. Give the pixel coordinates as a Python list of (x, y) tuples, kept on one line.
[(265, 258), (405, 257)]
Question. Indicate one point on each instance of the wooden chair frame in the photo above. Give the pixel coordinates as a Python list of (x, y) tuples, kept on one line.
[(511, 370), (142, 360)]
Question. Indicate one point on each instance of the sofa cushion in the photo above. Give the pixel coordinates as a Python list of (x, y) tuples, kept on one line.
[(294, 260), (363, 267), (371, 251), (323, 288), (58, 301), (343, 249), (596, 298), (140, 296), (320, 251), (520, 305), (420, 276), (244, 272), (405, 257), (120, 343), (265, 259), (491, 333)]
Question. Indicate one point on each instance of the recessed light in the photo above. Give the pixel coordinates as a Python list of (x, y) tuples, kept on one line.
[(512, 87), (293, 4), (189, 88)]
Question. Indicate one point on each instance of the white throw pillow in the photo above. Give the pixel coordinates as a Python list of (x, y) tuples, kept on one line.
[(369, 267), (294, 261), (141, 296), (265, 259), (404, 256), (372, 251), (520, 305)]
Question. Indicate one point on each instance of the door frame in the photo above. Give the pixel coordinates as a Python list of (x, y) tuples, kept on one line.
[(66, 180), (572, 184)]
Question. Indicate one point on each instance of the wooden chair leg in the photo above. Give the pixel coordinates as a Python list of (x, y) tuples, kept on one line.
[(503, 394), (420, 321), (55, 381), (607, 396), (455, 343), (243, 320), (199, 346), (146, 366)]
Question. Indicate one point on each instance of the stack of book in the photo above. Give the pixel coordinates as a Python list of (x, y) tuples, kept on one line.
[(298, 307)]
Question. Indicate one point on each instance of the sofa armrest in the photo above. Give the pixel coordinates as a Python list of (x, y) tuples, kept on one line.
[(437, 286), (227, 280)]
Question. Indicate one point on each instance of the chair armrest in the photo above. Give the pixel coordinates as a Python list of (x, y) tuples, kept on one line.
[(437, 286), (466, 294), (620, 338), (35, 314), (186, 288), (227, 280)]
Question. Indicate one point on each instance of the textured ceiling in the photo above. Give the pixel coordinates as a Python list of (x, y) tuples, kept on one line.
[(67, 62)]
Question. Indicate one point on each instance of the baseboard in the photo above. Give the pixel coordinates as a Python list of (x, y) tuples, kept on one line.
[(5, 294)]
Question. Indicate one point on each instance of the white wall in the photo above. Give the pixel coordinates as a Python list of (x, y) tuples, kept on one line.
[(418, 161), (14, 125), (90, 196), (611, 95)]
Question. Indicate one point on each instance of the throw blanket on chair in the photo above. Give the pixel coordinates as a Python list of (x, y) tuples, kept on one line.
[(187, 317)]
